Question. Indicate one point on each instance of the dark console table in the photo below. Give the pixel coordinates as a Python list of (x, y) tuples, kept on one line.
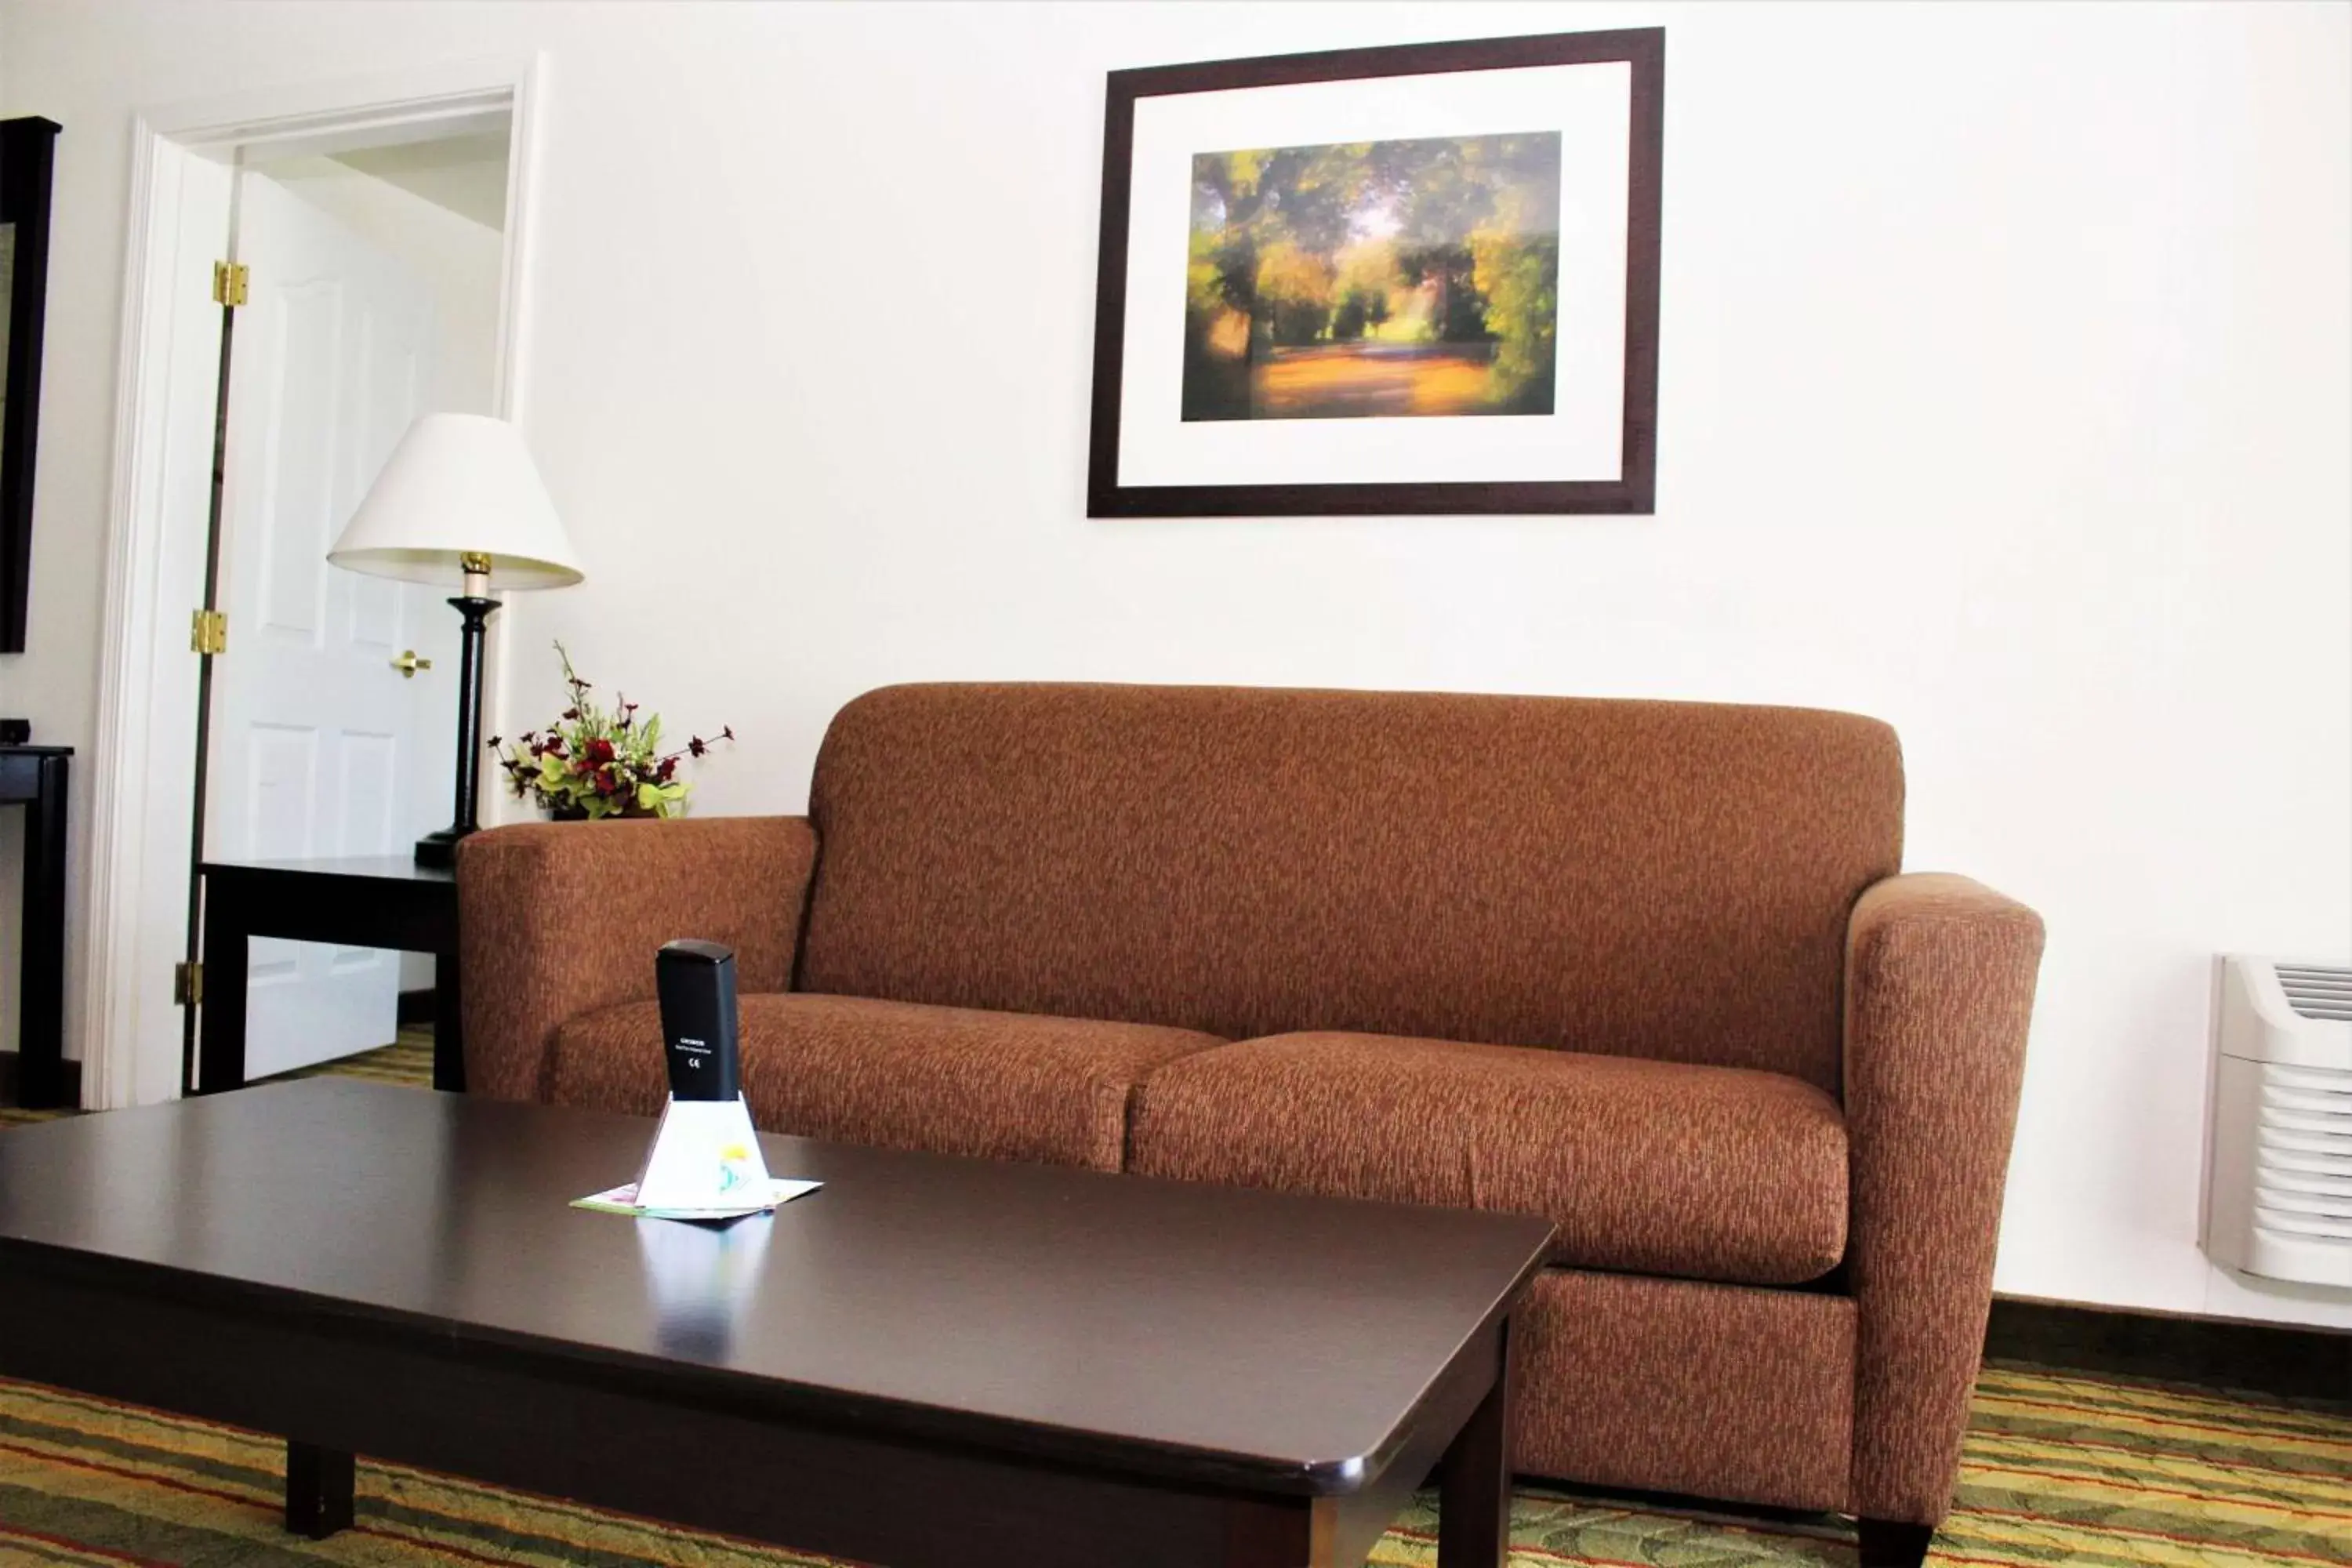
[(372, 901), (35, 776)]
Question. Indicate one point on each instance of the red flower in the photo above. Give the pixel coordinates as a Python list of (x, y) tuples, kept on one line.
[(590, 762)]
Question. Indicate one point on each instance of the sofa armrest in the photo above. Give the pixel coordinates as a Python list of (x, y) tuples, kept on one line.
[(1939, 977), (555, 919)]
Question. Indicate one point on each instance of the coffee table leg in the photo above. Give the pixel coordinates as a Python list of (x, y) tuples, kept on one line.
[(317, 1489), (1474, 1494), (448, 1025)]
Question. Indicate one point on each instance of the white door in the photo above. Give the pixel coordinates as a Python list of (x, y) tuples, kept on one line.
[(315, 733)]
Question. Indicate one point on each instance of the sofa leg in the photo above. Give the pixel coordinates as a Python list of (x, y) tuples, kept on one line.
[(1891, 1544)]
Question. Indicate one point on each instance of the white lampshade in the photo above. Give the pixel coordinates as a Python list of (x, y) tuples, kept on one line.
[(458, 485)]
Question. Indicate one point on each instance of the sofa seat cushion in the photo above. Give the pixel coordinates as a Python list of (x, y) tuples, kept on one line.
[(1719, 1174), (897, 1075)]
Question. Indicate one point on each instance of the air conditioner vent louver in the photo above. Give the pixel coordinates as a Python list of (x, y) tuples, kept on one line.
[(2279, 1200), (2302, 1156), (2316, 993)]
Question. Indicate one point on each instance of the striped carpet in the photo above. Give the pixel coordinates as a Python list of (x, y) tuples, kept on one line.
[(2059, 1468)]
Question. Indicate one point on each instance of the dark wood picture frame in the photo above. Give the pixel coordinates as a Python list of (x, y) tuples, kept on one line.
[(1634, 489), (27, 149)]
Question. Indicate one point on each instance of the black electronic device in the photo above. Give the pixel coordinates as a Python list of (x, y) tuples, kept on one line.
[(696, 983)]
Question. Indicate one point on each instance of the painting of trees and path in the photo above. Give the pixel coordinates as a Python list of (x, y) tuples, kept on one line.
[(1374, 278)]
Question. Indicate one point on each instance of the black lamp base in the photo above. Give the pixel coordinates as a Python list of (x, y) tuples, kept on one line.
[(438, 849)]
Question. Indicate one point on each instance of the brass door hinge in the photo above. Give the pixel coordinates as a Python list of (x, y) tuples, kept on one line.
[(229, 279), (188, 984), (208, 632)]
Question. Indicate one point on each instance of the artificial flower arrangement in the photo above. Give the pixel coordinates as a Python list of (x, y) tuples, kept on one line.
[(595, 761)]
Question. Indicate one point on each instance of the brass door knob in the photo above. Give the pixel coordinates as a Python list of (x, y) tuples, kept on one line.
[(408, 664)]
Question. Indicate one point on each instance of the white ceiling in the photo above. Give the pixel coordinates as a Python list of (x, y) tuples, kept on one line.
[(468, 175)]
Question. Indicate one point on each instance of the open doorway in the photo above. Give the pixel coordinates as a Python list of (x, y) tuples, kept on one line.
[(369, 293), (367, 213)]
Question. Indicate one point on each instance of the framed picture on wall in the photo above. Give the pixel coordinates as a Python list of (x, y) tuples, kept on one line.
[(1413, 280)]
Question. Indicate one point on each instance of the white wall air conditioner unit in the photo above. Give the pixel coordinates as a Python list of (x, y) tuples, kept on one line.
[(2280, 1200)]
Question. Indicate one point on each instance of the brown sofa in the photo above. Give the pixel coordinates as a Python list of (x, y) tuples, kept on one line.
[(1647, 969)]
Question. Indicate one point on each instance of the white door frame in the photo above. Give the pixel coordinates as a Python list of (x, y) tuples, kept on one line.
[(141, 820)]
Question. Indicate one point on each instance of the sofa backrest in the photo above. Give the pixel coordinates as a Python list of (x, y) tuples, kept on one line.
[(1661, 879)]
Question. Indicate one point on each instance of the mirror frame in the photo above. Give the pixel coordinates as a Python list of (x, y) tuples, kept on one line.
[(27, 149)]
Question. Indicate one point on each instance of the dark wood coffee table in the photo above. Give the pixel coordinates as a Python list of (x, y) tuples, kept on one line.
[(931, 1361)]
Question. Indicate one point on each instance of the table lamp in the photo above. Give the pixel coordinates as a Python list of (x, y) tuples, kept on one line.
[(460, 502)]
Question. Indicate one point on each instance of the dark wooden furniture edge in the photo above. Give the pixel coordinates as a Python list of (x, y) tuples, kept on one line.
[(1891, 1543), (11, 1080), (28, 150), (1474, 498), (1499, 53), (2283, 1360), (39, 778), (773, 1463), (409, 913), (320, 1483), (380, 905), (370, 1328), (1635, 491), (482, 1417)]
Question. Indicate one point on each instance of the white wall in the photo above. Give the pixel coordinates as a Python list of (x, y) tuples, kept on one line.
[(2007, 377)]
